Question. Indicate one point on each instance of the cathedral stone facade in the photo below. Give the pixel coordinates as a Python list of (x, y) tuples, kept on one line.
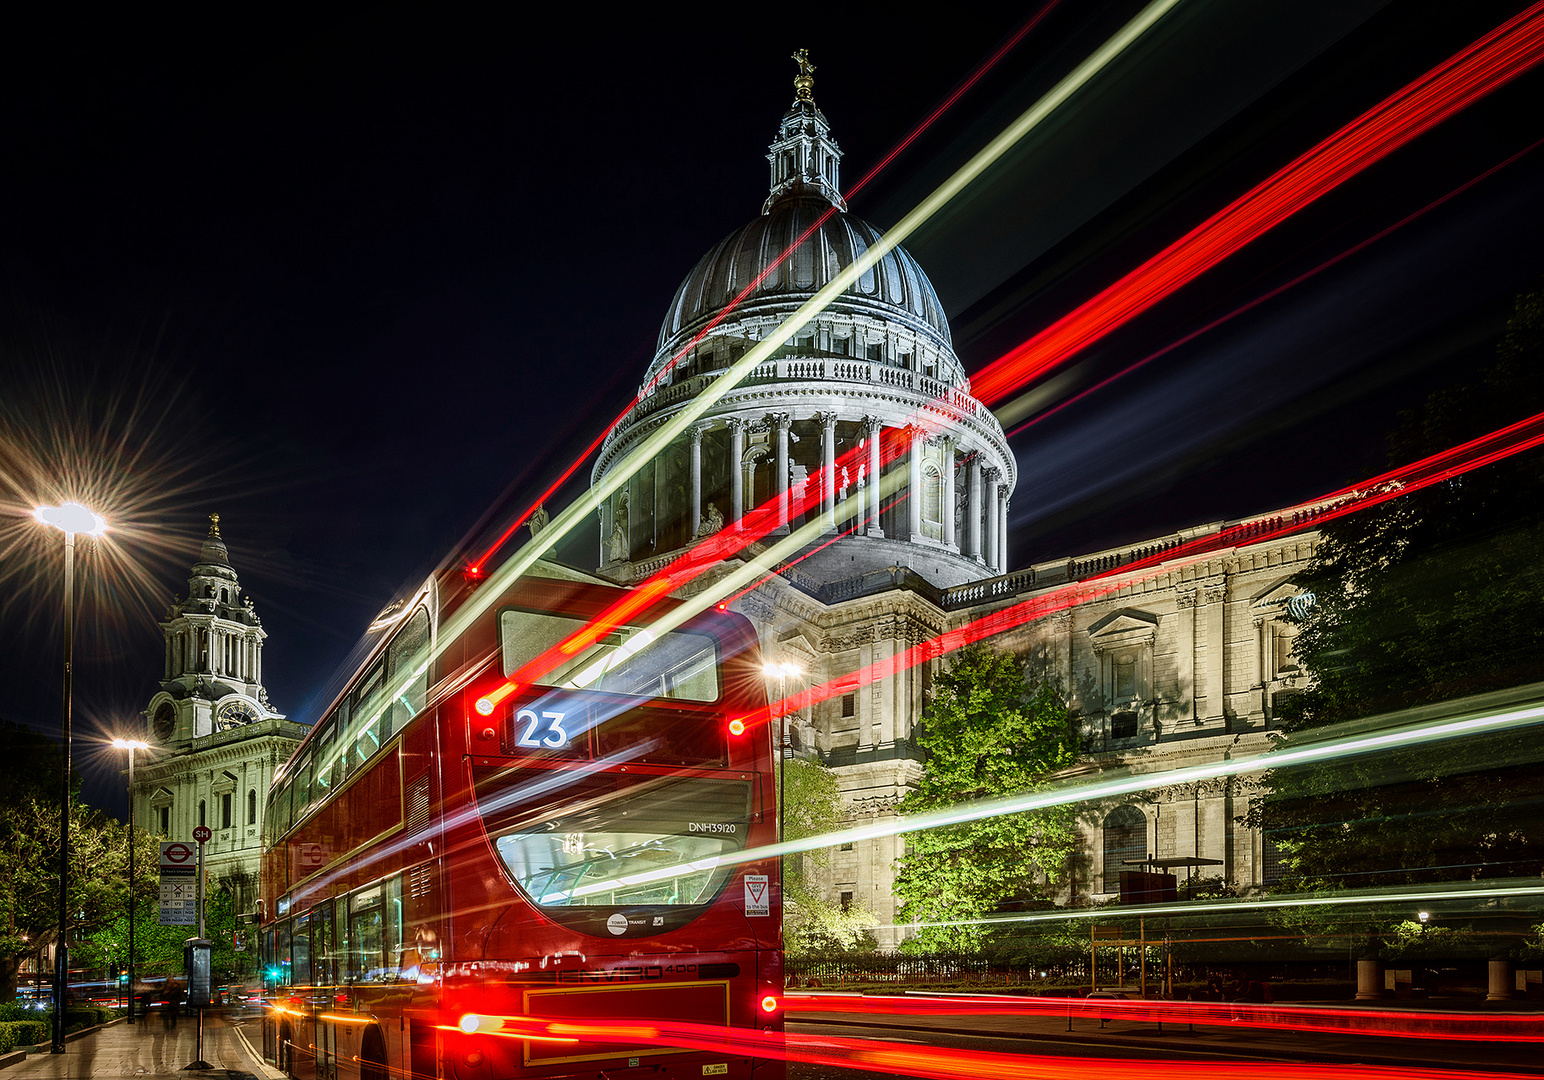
[(215, 738), (1181, 668)]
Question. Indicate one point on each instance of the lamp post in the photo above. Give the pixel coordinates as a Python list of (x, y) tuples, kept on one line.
[(69, 518), (782, 672), (131, 745)]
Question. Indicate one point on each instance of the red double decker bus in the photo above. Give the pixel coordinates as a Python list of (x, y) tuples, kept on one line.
[(566, 853)]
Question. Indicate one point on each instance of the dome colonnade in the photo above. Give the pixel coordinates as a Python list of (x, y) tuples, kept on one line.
[(873, 382)]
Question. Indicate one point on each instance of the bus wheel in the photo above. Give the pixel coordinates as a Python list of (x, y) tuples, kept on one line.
[(372, 1055)]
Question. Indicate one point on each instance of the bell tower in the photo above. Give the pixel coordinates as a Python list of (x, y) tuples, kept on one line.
[(213, 670)]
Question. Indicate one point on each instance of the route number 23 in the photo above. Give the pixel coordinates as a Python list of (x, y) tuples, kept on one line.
[(544, 730)]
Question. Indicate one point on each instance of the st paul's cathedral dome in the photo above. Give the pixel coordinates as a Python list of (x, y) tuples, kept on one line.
[(877, 364)]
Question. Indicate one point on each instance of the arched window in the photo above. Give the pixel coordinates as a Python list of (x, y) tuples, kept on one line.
[(252, 807), (1125, 840)]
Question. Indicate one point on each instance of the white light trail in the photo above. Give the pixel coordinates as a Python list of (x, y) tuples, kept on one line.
[(579, 511)]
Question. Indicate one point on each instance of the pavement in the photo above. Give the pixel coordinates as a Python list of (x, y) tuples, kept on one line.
[(150, 1048), (1086, 1035)]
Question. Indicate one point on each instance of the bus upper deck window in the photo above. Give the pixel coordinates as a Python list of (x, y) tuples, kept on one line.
[(680, 665)]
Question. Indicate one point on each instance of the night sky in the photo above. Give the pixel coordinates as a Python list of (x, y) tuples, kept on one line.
[(364, 283)]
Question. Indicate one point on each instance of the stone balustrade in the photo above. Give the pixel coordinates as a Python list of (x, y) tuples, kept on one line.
[(823, 369)]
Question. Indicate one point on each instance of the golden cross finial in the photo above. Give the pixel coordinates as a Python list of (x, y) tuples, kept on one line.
[(804, 82), (214, 526)]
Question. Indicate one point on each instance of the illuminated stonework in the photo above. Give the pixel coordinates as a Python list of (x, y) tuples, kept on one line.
[(1177, 671), (215, 737), (878, 363)]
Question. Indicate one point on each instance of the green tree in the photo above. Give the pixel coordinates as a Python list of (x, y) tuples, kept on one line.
[(987, 732), (811, 921), (1430, 597)]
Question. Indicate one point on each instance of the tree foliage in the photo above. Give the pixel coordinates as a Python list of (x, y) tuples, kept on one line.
[(29, 856), (987, 732), (811, 921), (1430, 597)]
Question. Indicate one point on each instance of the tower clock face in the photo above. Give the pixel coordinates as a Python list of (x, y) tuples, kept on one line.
[(165, 721), (236, 714)]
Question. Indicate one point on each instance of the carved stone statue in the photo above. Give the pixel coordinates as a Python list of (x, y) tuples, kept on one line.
[(618, 552), (712, 522), (538, 521)]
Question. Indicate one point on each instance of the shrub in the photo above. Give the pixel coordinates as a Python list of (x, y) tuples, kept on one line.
[(14, 1033)]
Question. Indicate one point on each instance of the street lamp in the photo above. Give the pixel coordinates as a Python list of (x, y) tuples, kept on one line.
[(131, 745), (782, 673), (69, 518)]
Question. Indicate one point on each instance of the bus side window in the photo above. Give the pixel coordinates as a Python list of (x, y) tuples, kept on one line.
[(369, 702), (300, 951), (393, 929), (321, 945), (366, 946), (341, 753), (270, 962), (301, 787), (281, 818), (282, 954), (407, 672), (321, 785)]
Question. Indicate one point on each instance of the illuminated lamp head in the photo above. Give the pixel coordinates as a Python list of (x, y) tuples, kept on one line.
[(485, 706), (468, 1023), (737, 727), (769, 1004)]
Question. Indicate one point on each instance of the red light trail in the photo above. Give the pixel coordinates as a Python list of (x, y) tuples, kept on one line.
[(1380, 1022), (1404, 480), (1486, 65), (1470, 74), (1277, 291), (943, 1063), (1465, 77), (987, 65)]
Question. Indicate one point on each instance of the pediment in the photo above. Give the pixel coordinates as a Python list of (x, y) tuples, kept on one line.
[(1122, 625), (1274, 595)]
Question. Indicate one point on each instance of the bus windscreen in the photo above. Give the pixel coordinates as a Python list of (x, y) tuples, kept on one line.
[(640, 845), (630, 660)]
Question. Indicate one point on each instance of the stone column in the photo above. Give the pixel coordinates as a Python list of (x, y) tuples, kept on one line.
[(1212, 598), (914, 482), (1369, 980), (1002, 535), (736, 470), (991, 517), (828, 459), (694, 513), (1185, 604), (948, 494), (168, 674), (875, 428), (779, 422), (1500, 980), (605, 531), (973, 509)]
